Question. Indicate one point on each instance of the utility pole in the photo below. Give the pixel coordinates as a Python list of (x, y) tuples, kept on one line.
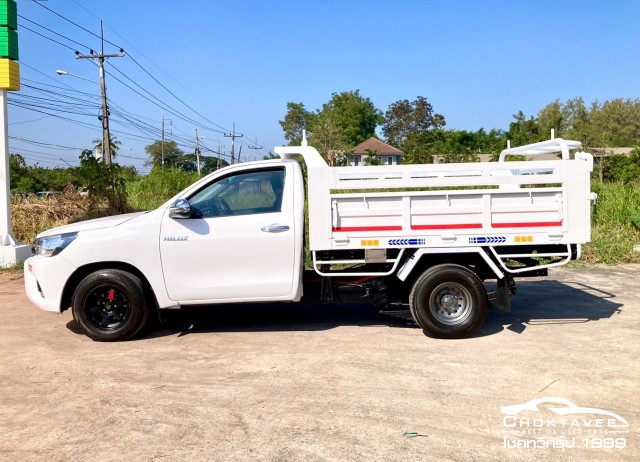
[(197, 152), (255, 148), (163, 138), (106, 139), (162, 144), (233, 135)]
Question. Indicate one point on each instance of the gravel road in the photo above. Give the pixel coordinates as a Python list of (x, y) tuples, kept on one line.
[(316, 383)]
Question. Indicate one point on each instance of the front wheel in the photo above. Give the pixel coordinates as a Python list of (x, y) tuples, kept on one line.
[(448, 301), (109, 305)]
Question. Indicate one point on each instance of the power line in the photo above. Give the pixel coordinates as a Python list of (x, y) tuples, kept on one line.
[(161, 104), (150, 61), (18, 102), (53, 32), (77, 122), (28, 121), (50, 103), (41, 143), (22, 26), (75, 24), (173, 94), (54, 102), (53, 86), (149, 129), (42, 73), (142, 68), (46, 104)]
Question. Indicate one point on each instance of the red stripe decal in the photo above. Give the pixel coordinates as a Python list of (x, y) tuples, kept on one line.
[(455, 226), (366, 228), (539, 224)]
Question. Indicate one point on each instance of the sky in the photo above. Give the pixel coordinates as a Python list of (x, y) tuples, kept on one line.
[(210, 64)]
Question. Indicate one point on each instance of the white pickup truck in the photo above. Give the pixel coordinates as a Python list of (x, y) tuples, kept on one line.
[(426, 236)]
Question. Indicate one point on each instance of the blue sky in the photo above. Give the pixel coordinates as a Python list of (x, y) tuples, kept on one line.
[(477, 62)]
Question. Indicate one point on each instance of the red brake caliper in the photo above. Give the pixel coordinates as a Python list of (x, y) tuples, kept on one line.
[(112, 295)]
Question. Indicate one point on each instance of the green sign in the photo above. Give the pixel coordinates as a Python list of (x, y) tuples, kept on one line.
[(9, 14)]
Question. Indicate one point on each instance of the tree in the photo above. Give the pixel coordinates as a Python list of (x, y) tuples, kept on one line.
[(17, 170), (576, 116), (328, 136), (346, 120), (211, 164), (103, 181), (404, 119), (612, 123), (296, 119), (113, 142), (618, 120), (173, 155), (550, 117), (524, 131), (419, 147), (354, 115)]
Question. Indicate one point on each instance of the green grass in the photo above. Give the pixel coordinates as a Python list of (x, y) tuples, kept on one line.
[(615, 230)]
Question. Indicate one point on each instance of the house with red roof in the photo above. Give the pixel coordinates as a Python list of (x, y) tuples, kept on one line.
[(387, 153)]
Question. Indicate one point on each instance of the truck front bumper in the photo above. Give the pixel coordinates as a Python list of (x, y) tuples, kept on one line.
[(44, 281)]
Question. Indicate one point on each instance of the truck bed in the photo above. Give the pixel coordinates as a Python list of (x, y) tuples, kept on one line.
[(516, 206)]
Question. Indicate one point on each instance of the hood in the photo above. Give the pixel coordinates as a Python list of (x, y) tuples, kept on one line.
[(97, 223)]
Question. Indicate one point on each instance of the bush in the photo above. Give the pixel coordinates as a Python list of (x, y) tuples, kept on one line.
[(615, 224), (160, 185), (103, 182), (620, 168)]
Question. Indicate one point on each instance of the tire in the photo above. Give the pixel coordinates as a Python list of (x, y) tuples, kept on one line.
[(109, 305), (448, 301)]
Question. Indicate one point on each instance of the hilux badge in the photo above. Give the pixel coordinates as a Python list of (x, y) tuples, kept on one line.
[(176, 238)]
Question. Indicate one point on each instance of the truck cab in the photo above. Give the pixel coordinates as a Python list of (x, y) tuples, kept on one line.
[(234, 236)]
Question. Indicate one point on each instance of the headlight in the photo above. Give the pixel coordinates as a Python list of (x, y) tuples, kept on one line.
[(53, 245)]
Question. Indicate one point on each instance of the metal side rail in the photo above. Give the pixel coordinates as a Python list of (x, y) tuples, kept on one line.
[(501, 258), (394, 261)]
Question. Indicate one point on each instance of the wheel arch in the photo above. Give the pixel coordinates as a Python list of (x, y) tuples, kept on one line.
[(472, 258), (83, 271)]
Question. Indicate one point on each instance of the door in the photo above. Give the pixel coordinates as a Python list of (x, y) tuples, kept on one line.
[(238, 244)]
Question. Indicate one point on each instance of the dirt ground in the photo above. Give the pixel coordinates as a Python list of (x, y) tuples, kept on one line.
[(312, 383)]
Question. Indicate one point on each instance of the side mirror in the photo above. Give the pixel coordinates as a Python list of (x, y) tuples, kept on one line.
[(181, 209)]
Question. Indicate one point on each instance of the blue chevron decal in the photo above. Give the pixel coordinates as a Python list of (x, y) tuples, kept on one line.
[(405, 242), (488, 240)]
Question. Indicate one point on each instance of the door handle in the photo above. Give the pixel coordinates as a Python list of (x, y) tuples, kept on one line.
[(275, 228)]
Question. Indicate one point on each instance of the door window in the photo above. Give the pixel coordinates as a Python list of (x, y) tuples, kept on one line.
[(258, 191)]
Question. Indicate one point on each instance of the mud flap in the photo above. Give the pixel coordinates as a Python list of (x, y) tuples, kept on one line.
[(501, 297)]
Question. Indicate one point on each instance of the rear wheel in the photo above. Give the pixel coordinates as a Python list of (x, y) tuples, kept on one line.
[(109, 305), (448, 301)]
